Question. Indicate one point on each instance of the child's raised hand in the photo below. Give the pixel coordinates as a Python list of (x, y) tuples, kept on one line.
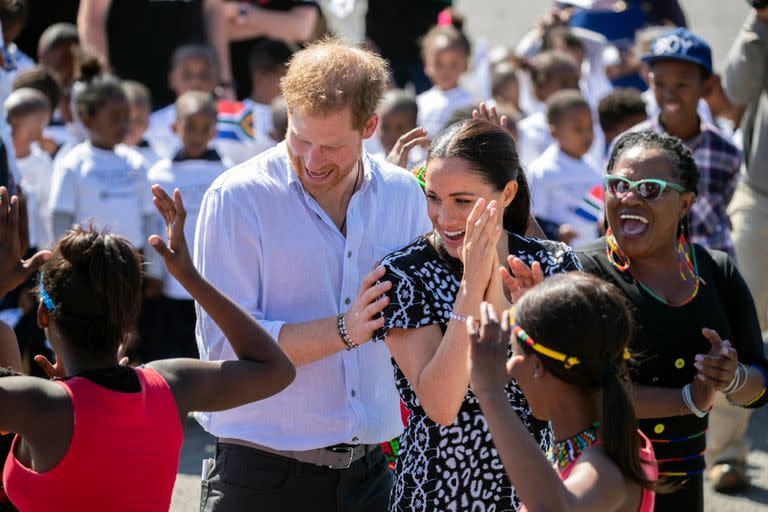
[(14, 270), (175, 253), (522, 278), (488, 350), (404, 145)]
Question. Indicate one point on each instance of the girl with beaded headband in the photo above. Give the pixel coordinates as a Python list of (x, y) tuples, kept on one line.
[(569, 336), (698, 334)]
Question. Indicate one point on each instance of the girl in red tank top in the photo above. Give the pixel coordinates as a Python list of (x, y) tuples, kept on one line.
[(103, 436), (568, 338)]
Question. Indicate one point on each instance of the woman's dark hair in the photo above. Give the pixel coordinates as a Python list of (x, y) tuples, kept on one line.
[(595, 324), (94, 282), (96, 92), (679, 156), (492, 154)]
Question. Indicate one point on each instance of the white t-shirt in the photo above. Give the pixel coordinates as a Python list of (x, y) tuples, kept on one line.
[(146, 150), (436, 107), (160, 133), (560, 191), (534, 138), (107, 188), (36, 171), (192, 177)]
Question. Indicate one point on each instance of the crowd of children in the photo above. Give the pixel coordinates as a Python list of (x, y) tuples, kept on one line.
[(82, 149)]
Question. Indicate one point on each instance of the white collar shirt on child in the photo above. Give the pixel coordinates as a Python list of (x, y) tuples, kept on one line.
[(265, 242), (534, 138), (565, 190), (36, 170), (436, 107), (108, 188), (192, 177)]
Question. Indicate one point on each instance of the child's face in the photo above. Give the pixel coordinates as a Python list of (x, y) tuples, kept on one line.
[(109, 125), (29, 129), (195, 132), (445, 66), (574, 132), (266, 86), (139, 122), (509, 93), (61, 61), (562, 77), (193, 74), (393, 125), (678, 87)]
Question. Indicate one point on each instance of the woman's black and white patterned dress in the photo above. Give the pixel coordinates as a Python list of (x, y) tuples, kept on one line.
[(453, 468)]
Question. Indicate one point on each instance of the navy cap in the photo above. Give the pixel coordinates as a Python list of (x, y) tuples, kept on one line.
[(680, 44)]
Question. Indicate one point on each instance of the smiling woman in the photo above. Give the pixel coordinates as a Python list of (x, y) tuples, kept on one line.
[(477, 199), (698, 332)]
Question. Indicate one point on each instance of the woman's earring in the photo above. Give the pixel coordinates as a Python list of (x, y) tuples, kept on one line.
[(613, 251)]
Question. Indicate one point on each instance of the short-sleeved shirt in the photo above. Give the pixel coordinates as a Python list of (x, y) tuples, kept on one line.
[(108, 188), (454, 467)]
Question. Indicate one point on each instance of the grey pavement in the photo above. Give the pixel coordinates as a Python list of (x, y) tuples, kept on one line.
[(505, 22)]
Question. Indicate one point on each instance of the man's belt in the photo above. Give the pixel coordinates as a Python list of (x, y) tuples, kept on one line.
[(335, 457)]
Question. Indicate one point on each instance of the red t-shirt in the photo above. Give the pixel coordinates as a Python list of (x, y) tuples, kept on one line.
[(123, 455)]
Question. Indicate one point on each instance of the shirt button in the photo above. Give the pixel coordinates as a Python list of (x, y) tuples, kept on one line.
[(659, 428), (679, 363), (347, 301), (353, 392), (349, 254)]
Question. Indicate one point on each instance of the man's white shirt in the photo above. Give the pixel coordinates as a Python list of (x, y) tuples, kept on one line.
[(265, 242)]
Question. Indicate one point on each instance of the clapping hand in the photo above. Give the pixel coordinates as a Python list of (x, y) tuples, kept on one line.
[(717, 367), (522, 278), (175, 253), (488, 349), (404, 145), (478, 251), (489, 114), (14, 270)]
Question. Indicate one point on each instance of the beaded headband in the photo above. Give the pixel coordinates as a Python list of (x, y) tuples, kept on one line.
[(568, 361), (418, 173), (49, 304)]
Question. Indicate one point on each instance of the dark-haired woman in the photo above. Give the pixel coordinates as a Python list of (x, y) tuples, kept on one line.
[(569, 337), (81, 439), (478, 202), (698, 332)]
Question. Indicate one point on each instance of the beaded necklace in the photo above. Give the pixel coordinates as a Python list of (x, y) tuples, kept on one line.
[(565, 452)]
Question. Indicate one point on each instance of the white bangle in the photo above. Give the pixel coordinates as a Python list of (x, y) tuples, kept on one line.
[(688, 401), (454, 316), (740, 378)]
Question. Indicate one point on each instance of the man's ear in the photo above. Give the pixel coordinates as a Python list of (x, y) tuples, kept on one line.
[(370, 126)]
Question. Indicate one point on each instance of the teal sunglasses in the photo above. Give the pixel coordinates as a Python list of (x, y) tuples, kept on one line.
[(649, 189)]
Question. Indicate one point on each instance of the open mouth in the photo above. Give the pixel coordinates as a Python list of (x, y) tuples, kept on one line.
[(453, 236), (633, 225), (318, 176)]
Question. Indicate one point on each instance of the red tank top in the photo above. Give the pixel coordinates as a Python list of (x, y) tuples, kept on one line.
[(123, 454), (651, 471)]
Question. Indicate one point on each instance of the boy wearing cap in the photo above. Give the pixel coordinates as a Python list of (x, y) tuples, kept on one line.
[(680, 65)]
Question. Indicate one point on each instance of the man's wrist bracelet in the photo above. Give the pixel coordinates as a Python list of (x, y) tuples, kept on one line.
[(342, 328)]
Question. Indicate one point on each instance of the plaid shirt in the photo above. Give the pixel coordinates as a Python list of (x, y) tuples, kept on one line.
[(719, 162)]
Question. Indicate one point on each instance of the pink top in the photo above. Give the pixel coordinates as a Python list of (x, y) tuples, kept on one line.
[(123, 454), (651, 470)]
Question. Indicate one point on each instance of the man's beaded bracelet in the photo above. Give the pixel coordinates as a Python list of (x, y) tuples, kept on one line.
[(342, 328)]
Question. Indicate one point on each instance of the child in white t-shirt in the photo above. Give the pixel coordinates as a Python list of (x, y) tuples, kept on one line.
[(28, 113), (193, 68), (398, 112), (562, 184), (102, 181), (140, 105), (445, 51), (192, 170)]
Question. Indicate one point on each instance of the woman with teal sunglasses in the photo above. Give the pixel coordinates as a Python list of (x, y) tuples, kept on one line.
[(698, 333)]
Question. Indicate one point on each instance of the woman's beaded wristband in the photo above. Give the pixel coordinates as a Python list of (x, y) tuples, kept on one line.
[(454, 316)]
